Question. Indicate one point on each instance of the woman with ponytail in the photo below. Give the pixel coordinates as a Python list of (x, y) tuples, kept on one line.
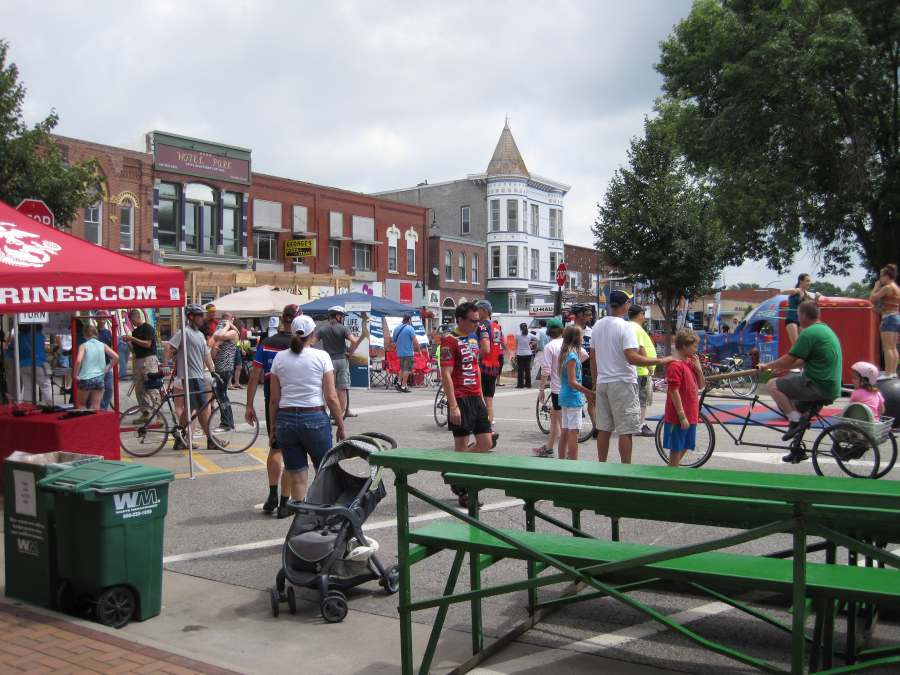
[(301, 384), (887, 293)]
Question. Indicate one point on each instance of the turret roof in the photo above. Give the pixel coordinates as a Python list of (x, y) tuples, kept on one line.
[(507, 160)]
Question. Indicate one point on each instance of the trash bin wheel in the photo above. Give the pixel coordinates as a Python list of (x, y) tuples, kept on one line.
[(275, 598), (291, 600), (334, 607), (115, 606), (391, 581)]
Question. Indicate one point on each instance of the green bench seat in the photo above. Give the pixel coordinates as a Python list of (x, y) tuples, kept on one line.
[(736, 512), (713, 568)]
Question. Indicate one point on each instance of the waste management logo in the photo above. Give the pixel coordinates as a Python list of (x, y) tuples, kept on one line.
[(27, 546), (135, 504)]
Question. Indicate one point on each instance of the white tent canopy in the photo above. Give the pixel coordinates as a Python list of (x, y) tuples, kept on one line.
[(258, 301)]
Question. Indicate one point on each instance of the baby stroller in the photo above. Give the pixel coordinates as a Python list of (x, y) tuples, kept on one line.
[(325, 547)]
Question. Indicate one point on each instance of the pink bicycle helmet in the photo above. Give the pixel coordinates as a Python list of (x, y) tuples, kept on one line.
[(866, 371)]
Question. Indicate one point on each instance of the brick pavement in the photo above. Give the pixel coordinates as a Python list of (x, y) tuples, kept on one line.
[(37, 643)]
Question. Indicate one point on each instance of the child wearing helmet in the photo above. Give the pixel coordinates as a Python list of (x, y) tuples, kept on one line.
[(865, 378)]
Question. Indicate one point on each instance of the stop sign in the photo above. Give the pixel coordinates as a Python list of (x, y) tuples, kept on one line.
[(38, 210), (561, 274)]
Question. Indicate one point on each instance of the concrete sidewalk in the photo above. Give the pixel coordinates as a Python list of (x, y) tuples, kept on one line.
[(212, 627)]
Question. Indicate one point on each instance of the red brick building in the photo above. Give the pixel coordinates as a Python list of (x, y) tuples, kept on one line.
[(586, 271), (457, 269), (197, 205)]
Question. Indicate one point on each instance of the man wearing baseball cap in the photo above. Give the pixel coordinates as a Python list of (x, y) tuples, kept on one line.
[(333, 337), (262, 367), (614, 357)]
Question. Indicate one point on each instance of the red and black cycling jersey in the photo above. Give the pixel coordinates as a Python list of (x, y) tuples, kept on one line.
[(461, 352), (490, 361)]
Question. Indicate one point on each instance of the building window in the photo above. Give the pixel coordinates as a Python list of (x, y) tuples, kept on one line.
[(126, 225), (392, 257), (334, 253), (267, 215), (266, 245), (199, 207), (448, 266), (495, 262), (169, 216), (512, 261), (555, 259), (512, 215), (525, 260), (535, 220), (231, 223), (556, 224), (465, 220), (362, 257), (535, 264), (474, 268), (335, 224), (92, 228), (462, 267), (300, 215), (410, 258), (495, 215)]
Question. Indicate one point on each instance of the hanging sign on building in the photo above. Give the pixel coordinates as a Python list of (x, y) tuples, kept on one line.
[(194, 157), (299, 248)]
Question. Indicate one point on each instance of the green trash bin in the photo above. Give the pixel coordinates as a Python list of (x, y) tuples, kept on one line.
[(29, 543), (109, 539)]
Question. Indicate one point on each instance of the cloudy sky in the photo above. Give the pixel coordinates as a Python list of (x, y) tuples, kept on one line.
[(360, 95)]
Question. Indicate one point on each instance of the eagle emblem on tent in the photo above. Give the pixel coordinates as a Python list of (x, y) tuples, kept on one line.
[(19, 248)]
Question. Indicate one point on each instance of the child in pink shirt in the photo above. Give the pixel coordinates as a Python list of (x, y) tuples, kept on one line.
[(865, 377)]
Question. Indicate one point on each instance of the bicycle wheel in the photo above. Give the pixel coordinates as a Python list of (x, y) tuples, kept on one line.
[(703, 448), (542, 412), (887, 456), (143, 431), (587, 427), (743, 386), (229, 430), (843, 449), (440, 408)]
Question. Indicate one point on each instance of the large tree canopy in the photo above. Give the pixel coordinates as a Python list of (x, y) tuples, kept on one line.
[(790, 111), (31, 164), (659, 227)]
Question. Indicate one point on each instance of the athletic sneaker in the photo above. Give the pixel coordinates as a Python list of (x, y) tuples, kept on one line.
[(542, 451), (646, 431), (494, 437), (270, 504)]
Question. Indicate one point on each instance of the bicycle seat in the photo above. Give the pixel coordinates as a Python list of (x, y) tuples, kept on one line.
[(812, 408)]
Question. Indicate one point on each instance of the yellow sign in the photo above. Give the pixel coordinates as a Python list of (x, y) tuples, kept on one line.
[(299, 248)]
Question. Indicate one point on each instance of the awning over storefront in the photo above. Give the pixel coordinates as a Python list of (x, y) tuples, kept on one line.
[(45, 270)]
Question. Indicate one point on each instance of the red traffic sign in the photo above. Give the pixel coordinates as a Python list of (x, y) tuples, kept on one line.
[(561, 274), (37, 210)]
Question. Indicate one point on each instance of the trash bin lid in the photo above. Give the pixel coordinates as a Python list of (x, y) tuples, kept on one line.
[(105, 476)]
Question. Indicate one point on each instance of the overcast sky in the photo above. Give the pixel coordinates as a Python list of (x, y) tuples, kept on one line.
[(360, 95)]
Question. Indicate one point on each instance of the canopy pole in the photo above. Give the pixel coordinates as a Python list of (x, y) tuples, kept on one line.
[(16, 360), (189, 432), (34, 383)]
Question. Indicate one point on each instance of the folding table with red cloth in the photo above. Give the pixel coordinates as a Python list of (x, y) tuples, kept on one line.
[(96, 433)]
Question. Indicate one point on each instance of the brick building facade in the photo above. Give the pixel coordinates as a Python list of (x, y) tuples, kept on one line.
[(585, 265), (198, 206), (459, 264)]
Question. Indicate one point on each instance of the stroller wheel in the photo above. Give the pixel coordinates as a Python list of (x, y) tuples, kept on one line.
[(391, 580), (291, 600), (334, 607), (275, 597)]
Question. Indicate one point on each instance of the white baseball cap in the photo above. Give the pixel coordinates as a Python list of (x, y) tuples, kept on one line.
[(303, 325)]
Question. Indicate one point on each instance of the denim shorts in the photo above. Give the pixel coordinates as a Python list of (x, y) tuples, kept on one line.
[(91, 384), (890, 323), (302, 436)]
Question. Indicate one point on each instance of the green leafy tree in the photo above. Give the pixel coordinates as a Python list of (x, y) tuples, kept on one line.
[(790, 111), (659, 226), (828, 289), (31, 164), (743, 286), (857, 289)]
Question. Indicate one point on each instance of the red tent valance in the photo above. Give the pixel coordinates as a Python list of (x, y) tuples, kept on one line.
[(45, 270)]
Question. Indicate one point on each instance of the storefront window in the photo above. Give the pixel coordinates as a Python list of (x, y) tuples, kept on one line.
[(200, 202), (266, 244), (168, 224), (231, 222)]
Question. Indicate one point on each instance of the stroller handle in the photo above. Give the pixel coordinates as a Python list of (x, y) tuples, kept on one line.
[(303, 507)]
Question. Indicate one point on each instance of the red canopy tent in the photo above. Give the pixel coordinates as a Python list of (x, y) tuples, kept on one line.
[(45, 270)]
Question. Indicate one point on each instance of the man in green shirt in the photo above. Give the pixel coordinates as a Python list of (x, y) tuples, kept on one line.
[(818, 350), (645, 382)]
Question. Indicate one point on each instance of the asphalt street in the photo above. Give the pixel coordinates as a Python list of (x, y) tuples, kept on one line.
[(216, 530)]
